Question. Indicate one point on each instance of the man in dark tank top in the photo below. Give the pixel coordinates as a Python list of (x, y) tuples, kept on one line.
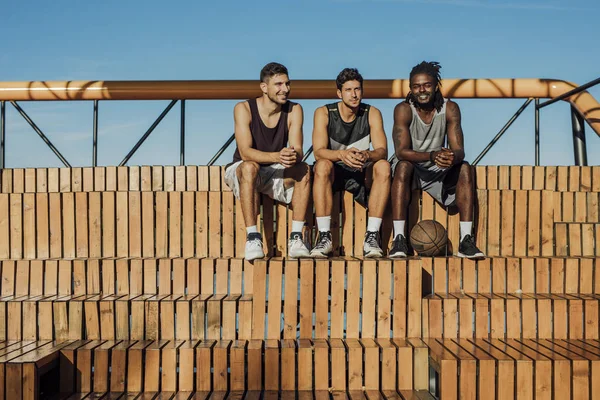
[(268, 159), (342, 137), (422, 124)]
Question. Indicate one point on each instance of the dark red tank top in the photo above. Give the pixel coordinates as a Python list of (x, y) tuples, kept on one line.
[(264, 138)]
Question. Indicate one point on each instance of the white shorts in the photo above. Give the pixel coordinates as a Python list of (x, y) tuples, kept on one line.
[(270, 182)]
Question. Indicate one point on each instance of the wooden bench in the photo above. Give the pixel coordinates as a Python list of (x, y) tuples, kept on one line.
[(133, 279), (515, 368)]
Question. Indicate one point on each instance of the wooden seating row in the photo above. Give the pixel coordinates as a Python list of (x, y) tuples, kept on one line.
[(201, 224), (99, 366), (515, 368), (230, 276), (202, 178), (513, 316)]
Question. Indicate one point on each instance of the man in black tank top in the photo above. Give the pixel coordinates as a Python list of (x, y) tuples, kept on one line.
[(268, 159), (342, 136), (420, 129)]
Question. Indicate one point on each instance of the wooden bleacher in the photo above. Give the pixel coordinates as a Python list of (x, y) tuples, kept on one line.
[(129, 282)]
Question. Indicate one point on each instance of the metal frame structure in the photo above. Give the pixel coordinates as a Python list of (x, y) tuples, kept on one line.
[(584, 108)]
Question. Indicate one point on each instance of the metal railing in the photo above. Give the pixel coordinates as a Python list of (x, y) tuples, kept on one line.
[(584, 108)]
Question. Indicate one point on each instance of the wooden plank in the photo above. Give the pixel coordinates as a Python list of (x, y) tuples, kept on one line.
[(290, 308), (228, 228), (161, 224), (347, 223), (492, 177), (174, 224), (494, 223), (352, 299), (399, 304), (122, 229), (520, 239), (503, 177), (369, 295), (187, 225), (146, 178), (274, 300), (507, 227), (202, 224), (29, 226), (169, 178), (482, 220), (16, 225), (259, 301), (5, 226), (214, 224), (384, 300)]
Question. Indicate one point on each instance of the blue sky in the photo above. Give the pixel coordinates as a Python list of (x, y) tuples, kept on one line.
[(384, 39)]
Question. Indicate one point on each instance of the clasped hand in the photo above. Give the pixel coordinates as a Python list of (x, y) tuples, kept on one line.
[(354, 158), (288, 157), (443, 158)]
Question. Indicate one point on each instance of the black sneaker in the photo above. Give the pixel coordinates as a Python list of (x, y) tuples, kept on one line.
[(324, 246), (467, 248), (399, 247), (371, 248)]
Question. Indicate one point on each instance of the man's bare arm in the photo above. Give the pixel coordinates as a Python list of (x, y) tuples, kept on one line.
[(455, 133), (296, 136), (243, 137), (401, 136), (378, 138)]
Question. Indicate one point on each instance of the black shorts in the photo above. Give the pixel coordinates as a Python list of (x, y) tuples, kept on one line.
[(352, 181)]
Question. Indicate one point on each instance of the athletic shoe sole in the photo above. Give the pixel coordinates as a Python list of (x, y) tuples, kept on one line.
[(373, 254), (399, 255), (477, 256)]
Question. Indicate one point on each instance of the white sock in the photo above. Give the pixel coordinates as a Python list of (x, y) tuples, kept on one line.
[(399, 227), (297, 226), (324, 223), (466, 228), (251, 229), (373, 224)]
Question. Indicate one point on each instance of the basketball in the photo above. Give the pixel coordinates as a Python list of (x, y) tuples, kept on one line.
[(429, 238)]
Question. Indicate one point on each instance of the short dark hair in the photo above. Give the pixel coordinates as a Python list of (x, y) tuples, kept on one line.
[(348, 74), (272, 69)]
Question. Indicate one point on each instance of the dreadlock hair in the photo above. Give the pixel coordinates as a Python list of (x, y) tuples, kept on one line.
[(433, 70)]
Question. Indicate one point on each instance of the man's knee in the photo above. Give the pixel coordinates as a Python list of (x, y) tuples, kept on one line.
[(381, 171), (323, 169), (247, 171), (403, 172), (466, 172), (301, 172)]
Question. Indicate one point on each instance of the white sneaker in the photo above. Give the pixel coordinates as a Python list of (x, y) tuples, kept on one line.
[(324, 246), (296, 246), (254, 247), (371, 248)]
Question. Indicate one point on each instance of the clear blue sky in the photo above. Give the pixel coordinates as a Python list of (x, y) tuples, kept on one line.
[(315, 39)]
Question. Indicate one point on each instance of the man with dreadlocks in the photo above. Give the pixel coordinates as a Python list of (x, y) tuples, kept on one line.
[(422, 124)]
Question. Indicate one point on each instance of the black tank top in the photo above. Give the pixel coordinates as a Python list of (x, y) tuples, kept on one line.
[(264, 138), (343, 135)]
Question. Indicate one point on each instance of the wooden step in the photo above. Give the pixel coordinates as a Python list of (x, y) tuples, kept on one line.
[(504, 368), (161, 365), (125, 317), (514, 316), (179, 178)]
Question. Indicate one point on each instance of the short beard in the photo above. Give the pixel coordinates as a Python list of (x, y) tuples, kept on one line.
[(275, 100)]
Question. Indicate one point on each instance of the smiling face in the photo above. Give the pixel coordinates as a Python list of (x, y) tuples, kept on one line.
[(277, 88), (351, 93), (423, 88)]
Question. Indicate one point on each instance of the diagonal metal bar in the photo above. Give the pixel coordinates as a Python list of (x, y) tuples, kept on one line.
[(221, 150), (569, 93), (307, 154), (40, 133), (148, 132), (2, 132), (504, 128)]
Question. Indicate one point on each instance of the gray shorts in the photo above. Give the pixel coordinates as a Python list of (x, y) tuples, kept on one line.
[(270, 182), (438, 182)]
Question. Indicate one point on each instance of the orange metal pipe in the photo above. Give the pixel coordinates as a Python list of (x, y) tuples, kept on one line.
[(584, 102)]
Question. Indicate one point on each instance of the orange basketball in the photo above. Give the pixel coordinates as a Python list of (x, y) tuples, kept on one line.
[(429, 238)]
